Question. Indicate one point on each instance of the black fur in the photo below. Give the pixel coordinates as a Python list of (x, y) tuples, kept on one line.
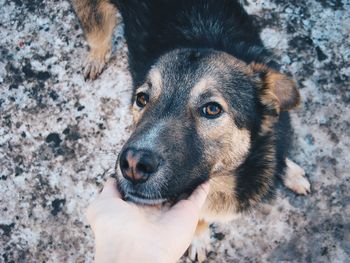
[(155, 27)]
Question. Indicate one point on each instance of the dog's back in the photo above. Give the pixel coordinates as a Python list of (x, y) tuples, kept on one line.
[(154, 27)]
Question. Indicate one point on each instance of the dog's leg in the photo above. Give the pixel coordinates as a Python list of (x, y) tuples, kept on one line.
[(201, 242), (98, 19), (295, 178)]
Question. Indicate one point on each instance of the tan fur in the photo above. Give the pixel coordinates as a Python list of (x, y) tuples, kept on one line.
[(278, 93), (200, 245), (137, 112), (155, 78), (227, 144), (295, 179), (153, 87), (223, 61), (221, 204), (284, 89), (201, 227), (281, 93), (204, 85), (198, 89), (98, 22)]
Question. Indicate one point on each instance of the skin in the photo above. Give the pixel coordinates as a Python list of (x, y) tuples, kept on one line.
[(155, 234)]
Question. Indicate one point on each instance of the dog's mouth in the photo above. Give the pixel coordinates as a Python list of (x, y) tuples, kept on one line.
[(143, 199)]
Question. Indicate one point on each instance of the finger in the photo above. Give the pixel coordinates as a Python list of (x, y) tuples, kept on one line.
[(182, 219), (98, 206), (191, 206), (196, 199), (199, 195), (110, 189)]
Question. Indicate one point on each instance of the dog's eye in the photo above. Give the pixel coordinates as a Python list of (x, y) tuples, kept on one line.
[(142, 99), (211, 110)]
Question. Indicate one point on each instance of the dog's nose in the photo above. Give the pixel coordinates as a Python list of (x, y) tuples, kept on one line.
[(138, 165)]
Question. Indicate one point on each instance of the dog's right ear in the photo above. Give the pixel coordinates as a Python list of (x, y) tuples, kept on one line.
[(280, 91)]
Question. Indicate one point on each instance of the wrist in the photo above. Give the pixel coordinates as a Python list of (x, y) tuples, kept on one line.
[(134, 252)]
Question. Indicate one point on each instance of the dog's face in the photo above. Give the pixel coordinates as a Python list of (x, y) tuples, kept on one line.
[(195, 116)]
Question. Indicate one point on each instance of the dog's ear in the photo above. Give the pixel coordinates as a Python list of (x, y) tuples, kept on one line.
[(278, 90)]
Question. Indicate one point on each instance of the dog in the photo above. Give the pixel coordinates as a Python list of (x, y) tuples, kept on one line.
[(208, 103)]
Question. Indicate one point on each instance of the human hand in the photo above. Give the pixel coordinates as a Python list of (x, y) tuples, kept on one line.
[(125, 232)]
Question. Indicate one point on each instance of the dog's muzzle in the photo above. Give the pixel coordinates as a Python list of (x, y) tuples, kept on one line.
[(138, 165)]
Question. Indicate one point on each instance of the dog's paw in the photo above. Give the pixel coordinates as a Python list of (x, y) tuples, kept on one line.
[(96, 62), (295, 179), (200, 246)]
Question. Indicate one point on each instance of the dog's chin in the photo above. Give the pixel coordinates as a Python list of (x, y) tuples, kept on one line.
[(143, 200)]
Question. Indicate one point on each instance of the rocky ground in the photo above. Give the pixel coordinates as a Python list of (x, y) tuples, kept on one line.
[(59, 135)]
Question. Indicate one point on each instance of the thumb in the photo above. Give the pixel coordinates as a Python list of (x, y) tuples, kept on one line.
[(181, 220), (98, 206), (190, 207), (198, 197)]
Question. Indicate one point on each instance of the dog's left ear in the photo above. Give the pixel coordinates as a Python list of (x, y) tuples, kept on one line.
[(279, 88)]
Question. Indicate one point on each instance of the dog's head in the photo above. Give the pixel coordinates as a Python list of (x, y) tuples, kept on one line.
[(195, 117)]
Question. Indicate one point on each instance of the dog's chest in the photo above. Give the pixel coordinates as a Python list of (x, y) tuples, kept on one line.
[(221, 204)]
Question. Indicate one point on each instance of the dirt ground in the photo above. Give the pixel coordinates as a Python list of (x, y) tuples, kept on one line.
[(59, 135)]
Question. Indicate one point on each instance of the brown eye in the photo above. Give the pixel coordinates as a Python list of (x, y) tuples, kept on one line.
[(142, 99), (211, 110)]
